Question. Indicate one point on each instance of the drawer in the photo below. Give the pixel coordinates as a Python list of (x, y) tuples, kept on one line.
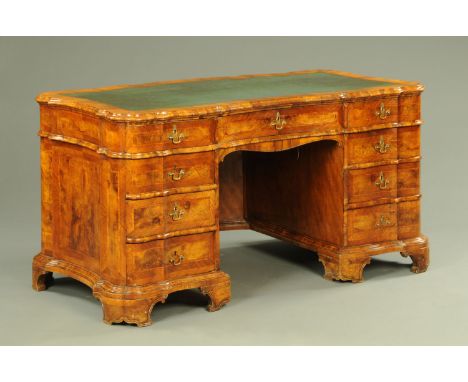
[(373, 146), (145, 262), (372, 224), (187, 170), (179, 256), (145, 218), (319, 119), (372, 183), (174, 171), (143, 175), (143, 138), (156, 137), (191, 210), (155, 216), (188, 134), (372, 112), (191, 254), (245, 126)]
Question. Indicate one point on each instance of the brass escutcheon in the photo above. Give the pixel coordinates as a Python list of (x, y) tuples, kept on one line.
[(381, 182), (382, 113), (278, 123), (384, 221), (175, 136), (381, 147), (176, 259), (177, 213), (176, 176)]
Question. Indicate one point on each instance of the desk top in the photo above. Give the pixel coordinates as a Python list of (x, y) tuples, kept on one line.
[(203, 97)]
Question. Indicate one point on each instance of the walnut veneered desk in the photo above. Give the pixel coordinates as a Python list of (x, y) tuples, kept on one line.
[(137, 181)]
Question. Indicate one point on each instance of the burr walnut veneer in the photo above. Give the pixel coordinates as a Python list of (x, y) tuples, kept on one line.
[(137, 181)]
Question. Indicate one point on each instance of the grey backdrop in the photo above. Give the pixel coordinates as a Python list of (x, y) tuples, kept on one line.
[(279, 296)]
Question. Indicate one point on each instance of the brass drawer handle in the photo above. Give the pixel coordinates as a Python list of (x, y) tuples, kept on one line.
[(176, 176), (384, 221), (176, 259), (175, 136), (177, 212), (381, 147), (279, 122), (382, 113), (381, 182)]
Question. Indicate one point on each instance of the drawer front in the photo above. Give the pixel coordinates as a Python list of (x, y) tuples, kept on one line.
[(188, 134), (372, 112), (319, 119), (191, 254), (373, 146), (245, 126), (179, 256), (145, 262), (144, 138), (144, 218), (190, 210), (156, 137), (372, 224), (174, 171), (144, 175), (187, 170), (149, 217), (372, 183)]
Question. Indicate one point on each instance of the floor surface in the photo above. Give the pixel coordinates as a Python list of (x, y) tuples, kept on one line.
[(278, 298)]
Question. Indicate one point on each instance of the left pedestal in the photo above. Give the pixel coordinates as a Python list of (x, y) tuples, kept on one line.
[(126, 214)]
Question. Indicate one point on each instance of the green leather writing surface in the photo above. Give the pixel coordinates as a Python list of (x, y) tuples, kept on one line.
[(185, 94)]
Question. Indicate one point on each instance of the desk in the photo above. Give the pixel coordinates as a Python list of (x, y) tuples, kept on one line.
[(138, 180)]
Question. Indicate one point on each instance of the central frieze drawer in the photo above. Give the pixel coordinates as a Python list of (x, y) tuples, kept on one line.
[(148, 218), (316, 119), (372, 183)]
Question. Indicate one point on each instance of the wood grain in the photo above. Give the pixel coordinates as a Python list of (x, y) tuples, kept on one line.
[(375, 146), (372, 224), (294, 181), (231, 192), (372, 183), (364, 112), (133, 202)]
